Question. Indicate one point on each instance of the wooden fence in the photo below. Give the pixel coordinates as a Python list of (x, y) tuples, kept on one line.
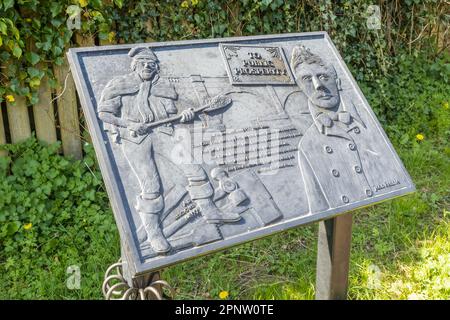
[(57, 115)]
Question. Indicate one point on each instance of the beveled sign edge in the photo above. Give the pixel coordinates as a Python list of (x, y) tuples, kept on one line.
[(271, 230), (135, 263)]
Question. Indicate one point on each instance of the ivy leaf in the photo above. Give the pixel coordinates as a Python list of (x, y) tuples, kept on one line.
[(57, 51), (55, 8), (96, 3), (36, 23), (57, 22), (119, 3), (22, 75), (35, 82), (17, 52), (23, 91), (32, 57), (73, 11), (103, 35), (15, 32), (83, 3), (59, 61), (8, 4), (52, 83), (34, 73), (4, 56), (34, 99), (3, 27), (12, 227)]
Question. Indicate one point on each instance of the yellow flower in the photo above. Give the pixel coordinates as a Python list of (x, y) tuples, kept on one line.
[(83, 3), (223, 294), (10, 98), (420, 137), (445, 105), (184, 4), (194, 2), (28, 226)]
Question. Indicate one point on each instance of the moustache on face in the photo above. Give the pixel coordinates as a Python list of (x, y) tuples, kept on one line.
[(322, 93)]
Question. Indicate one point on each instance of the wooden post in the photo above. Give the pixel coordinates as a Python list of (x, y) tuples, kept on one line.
[(19, 121), (106, 42), (333, 257), (68, 112), (2, 133), (84, 41), (43, 112), (44, 115)]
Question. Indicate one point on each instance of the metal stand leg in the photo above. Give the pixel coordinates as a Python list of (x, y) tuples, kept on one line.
[(146, 287), (333, 256)]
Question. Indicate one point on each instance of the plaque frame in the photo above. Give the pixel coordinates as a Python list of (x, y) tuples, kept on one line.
[(135, 267)]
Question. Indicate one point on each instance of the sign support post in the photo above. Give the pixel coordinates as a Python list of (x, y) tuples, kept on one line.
[(333, 258)]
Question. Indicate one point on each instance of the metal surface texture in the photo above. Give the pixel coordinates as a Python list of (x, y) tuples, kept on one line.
[(210, 143)]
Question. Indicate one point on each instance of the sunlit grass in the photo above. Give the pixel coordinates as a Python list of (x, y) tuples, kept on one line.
[(400, 249)]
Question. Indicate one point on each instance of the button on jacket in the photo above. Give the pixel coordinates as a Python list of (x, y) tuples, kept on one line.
[(345, 161), (331, 167)]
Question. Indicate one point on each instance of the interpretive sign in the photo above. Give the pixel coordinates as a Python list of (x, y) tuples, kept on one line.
[(207, 144)]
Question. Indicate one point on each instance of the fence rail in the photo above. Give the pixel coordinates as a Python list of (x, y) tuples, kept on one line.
[(57, 115)]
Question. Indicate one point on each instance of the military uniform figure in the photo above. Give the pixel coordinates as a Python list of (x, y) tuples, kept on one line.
[(337, 151), (128, 105)]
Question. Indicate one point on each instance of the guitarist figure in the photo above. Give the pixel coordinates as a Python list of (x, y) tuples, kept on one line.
[(127, 107)]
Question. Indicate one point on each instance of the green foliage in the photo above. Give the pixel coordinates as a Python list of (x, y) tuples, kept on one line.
[(34, 34), (413, 99), (54, 213), (407, 239)]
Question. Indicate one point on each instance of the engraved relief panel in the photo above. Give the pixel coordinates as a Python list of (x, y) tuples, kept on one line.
[(216, 143)]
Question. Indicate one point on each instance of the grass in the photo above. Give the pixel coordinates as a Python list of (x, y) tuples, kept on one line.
[(400, 250)]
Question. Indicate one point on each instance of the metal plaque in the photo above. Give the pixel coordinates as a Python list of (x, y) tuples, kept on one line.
[(247, 64), (207, 144)]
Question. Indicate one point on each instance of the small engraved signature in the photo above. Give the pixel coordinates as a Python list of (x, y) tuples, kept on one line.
[(387, 184)]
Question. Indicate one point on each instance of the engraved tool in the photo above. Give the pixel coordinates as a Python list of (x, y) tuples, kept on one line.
[(215, 103)]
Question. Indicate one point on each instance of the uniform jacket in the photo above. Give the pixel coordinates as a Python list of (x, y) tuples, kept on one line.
[(121, 98), (343, 163)]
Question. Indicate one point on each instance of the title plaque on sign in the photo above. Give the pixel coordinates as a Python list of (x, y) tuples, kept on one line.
[(207, 144), (247, 64)]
